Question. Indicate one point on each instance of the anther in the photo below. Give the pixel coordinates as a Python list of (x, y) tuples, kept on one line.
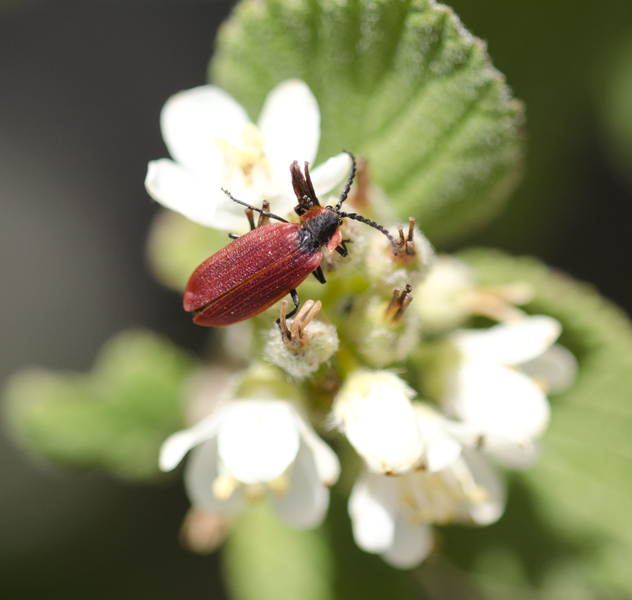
[(263, 218), (398, 304), (405, 244), (293, 335)]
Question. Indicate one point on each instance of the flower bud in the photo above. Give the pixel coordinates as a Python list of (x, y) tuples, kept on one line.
[(383, 332), (304, 344), (387, 271)]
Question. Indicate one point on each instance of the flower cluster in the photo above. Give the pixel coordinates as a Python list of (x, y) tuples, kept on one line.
[(429, 433)]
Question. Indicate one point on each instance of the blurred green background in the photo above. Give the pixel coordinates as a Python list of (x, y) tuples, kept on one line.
[(81, 87)]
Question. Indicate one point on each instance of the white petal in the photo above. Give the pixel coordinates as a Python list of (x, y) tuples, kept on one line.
[(411, 545), (518, 454), (290, 123), (509, 343), (177, 445), (378, 419), (181, 190), (441, 449), (199, 477), (556, 369), (373, 511), (306, 502), (230, 216), (331, 173), (327, 463), (485, 475), (500, 401), (193, 119), (258, 439)]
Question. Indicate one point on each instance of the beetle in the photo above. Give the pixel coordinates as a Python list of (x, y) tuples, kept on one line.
[(257, 269)]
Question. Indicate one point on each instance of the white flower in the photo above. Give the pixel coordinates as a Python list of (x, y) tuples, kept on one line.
[(251, 448), (490, 394), (215, 145), (391, 516), (450, 294), (374, 411)]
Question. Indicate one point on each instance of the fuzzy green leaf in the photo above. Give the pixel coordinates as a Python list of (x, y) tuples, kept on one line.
[(266, 560), (401, 82), (569, 524), (113, 418)]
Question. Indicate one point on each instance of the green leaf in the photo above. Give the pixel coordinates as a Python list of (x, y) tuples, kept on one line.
[(266, 560), (113, 418), (401, 82), (568, 524)]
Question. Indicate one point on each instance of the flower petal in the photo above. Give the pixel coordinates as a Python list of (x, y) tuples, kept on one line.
[(375, 413), (555, 370), (192, 120), (486, 477), (373, 511), (331, 173), (306, 502), (179, 189), (441, 449), (177, 445), (258, 439), (499, 401), (327, 463), (199, 478), (290, 123), (411, 544), (510, 343)]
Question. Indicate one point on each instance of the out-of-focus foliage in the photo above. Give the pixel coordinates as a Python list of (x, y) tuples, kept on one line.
[(400, 82), (568, 524), (266, 560), (176, 246), (615, 104), (115, 417)]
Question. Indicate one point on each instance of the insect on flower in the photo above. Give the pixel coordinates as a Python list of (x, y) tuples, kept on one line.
[(257, 269)]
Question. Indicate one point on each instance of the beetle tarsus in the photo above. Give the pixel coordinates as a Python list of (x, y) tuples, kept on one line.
[(320, 276), (233, 236)]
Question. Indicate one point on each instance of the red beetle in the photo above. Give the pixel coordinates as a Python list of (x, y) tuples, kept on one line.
[(259, 268)]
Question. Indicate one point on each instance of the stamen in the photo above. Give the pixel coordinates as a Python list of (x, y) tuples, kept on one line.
[(224, 486), (293, 336), (398, 305), (406, 245), (252, 154)]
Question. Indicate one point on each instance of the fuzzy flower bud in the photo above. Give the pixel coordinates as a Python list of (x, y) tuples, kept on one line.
[(304, 344), (384, 332), (387, 271)]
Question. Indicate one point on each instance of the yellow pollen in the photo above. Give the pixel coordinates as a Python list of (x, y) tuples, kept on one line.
[(254, 492), (250, 156), (224, 486), (280, 485)]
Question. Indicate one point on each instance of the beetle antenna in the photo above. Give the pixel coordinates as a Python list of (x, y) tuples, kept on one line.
[(265, 213), (345, 192), (373, 224)]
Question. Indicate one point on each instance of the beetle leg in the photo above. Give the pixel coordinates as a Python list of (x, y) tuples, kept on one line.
[(342, 249), (318, 273), (233, 236)]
